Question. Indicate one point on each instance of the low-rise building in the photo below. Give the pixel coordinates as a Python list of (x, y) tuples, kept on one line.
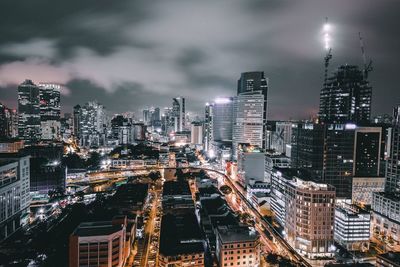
[(237, 246), (181, 241), (98, 244), (352, 227)]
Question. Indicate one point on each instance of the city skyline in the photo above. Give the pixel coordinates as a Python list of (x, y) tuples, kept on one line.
[(152, 57)]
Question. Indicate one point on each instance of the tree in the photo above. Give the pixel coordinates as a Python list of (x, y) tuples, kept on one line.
[(73, 161), (93, 160), (154, 175)]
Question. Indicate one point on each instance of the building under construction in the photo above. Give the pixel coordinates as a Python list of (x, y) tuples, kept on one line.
[(346, 97)]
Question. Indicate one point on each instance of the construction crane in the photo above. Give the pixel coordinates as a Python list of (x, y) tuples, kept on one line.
[(328, 48), (367, 66)]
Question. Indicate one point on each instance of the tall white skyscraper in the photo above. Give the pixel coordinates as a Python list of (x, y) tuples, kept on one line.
[(248, 120), (222, 119)]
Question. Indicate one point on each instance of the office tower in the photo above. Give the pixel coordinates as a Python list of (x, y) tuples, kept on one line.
[(76, 119), (282, 136), (248, 120), (89, 124), (346, 97), (352, 227), (167, 121), (155, 117), (208, 126), (222, 111), (14, 192), (67, 126), (196, 133), (8, 122), (99, 244), (309, 221), (28, 112), (308, 147), (47, 173), (50, 111), (146, 116), (178, 113), (256, 83), (386, 205)]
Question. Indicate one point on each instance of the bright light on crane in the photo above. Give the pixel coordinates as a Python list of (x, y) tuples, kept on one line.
[(327, 37)]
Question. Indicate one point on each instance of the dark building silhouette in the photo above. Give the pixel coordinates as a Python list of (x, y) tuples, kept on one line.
[(346, 97), (28, 112)]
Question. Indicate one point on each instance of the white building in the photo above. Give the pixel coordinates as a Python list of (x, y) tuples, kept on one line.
[(251, 164), (196, 133), (248, 117), (352, 227)]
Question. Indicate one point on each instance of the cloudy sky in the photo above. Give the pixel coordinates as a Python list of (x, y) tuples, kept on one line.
[(133, 54)]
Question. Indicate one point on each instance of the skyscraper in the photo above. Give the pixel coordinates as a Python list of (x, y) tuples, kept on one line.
[(50, 111), (178, 113), (8, 122), (248, 120), (222, 111), (208, 126), (90, 119), (28, 112), (256, 83), (386, 205), (346, 97)]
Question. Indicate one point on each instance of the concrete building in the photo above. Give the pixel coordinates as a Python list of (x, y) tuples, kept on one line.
[(89, 121), (248, 120), (50, 111), (181, 241), (178, 113), (385, 221), (8, 122), (28, 112), (222, 112), (196, 133), (346, 97), (250, 164), (14, 192), (309, 222), (256, 83), (98, 244), (208, 126), (275, 161), (352, 227), (282, 136), (237, 246)]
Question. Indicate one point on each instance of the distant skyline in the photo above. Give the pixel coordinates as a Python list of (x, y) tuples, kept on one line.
[(130, 55)]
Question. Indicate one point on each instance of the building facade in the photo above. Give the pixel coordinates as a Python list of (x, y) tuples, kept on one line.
[(28, 112), (50, 111)]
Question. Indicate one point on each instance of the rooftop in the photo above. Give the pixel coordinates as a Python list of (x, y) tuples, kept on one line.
[(96, 229), (230, 234), (176, 188), (180, 235)]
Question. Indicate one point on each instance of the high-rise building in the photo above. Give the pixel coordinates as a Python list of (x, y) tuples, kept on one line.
[(346, 97), (14, 192), (208, 126), (352, 227), (256, 83), (8, 122), (222, 111), (309, 222), (282, 136), (89, 124), (178, 113), (386, 205), (50, 111), (196, 133), (248, 119), (28, 112)]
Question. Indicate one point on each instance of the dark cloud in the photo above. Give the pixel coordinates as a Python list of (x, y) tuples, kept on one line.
[(132, 54)]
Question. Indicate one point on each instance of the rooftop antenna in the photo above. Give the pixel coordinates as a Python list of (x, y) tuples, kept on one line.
[(327, 39), (367, 66)]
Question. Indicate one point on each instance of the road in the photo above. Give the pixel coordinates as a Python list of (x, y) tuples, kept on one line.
[(149, 230), (285, 247)]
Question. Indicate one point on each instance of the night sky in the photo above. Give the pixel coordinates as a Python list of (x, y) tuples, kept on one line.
[(133, 54)]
